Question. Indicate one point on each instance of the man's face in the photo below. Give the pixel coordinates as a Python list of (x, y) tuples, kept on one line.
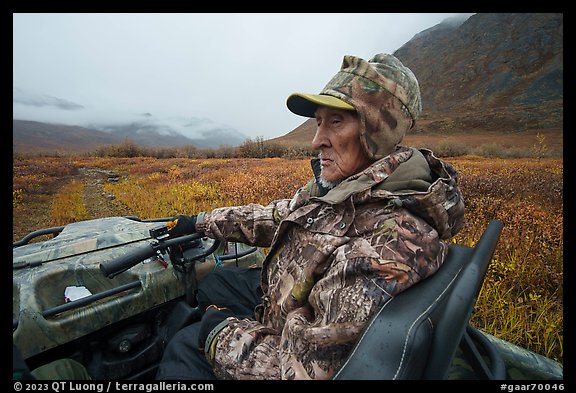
[(338, 139)]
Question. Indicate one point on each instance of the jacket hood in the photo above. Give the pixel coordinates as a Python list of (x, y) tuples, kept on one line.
[(412, 178)]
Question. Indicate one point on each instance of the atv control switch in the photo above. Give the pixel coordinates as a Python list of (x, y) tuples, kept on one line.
[(159, 232)]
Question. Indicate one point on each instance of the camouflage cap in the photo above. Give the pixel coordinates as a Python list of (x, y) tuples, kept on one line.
[(383, 91)]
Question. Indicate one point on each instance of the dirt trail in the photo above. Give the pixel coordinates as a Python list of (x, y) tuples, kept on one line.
[(98, 202), (35, 213)]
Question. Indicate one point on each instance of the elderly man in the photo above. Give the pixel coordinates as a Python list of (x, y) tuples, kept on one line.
[(371, 223)]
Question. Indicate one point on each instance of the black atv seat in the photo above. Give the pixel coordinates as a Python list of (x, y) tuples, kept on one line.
[(416, 334)]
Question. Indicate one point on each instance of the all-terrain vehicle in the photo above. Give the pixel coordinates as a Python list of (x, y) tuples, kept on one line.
[(111, 292)]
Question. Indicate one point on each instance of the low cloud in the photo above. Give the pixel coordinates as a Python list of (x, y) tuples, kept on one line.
[(19, 96)]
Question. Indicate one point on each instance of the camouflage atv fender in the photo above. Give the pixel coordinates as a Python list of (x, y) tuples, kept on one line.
[(42, 317)]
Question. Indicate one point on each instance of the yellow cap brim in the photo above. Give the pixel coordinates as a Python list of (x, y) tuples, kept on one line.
[(306, 104)]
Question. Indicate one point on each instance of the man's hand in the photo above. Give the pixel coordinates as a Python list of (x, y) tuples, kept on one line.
[(182, 225)]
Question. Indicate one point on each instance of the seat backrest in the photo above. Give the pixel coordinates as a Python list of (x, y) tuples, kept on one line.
[(416, 334)]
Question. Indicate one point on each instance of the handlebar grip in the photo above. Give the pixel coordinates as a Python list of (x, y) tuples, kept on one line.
[(125, 262)]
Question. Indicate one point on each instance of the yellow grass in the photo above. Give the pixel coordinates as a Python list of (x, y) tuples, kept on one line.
[(68, 204)]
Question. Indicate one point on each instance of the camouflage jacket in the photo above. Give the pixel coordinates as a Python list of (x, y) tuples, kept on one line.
[(334, 261)]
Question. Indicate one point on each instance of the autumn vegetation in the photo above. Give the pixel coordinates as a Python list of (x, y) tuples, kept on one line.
[(522, 297)]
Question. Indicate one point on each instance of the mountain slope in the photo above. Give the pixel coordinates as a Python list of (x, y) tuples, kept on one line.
[(493, 60), (37, 137)]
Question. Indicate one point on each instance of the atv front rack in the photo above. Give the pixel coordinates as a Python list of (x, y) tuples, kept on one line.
[(126, 272)]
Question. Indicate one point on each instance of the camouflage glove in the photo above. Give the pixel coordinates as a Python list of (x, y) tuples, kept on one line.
[(212, 323), (182, 225)]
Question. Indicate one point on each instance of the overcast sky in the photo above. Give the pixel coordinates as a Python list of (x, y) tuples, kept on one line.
[(233, 70)]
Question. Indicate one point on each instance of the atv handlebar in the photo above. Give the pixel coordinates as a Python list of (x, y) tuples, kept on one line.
[(125, 262), (118, 265)]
